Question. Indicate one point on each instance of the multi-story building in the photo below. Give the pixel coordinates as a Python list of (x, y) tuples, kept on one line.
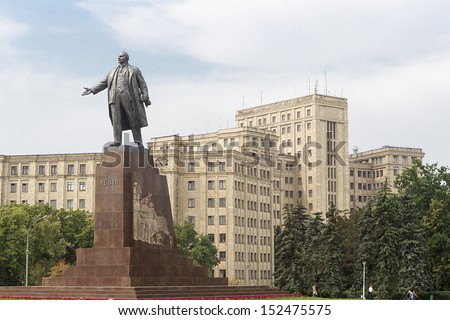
[(229, 185), (369, 171), (314, 131), (61, 180)]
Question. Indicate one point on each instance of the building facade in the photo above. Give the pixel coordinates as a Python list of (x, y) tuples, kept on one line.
[(61, 180), (313, 130), (228, 184), (369, 171)]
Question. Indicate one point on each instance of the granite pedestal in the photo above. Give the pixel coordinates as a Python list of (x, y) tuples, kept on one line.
[(134, 239)]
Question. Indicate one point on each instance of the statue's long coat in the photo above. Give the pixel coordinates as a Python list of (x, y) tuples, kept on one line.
[(137, 89)]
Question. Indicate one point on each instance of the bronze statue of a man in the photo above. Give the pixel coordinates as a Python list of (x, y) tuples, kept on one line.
[(127, 95)]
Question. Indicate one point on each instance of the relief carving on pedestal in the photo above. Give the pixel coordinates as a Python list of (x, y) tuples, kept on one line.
[(148, 225)]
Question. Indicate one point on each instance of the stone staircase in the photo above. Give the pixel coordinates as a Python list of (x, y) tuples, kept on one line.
[(134, 293)]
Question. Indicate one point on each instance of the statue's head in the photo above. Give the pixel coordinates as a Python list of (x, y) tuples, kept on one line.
[(123, 57)]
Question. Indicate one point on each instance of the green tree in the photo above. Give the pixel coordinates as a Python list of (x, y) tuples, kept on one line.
[(387, 252), (197, 247), (50, 239), (331, 283), (347, 226), (429, 187), (314, 249), (204, 253), (414, 269), (77, 228), (290, 251), (365, 248)]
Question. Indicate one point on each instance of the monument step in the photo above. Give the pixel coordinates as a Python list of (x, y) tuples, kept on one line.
[(147, 292)]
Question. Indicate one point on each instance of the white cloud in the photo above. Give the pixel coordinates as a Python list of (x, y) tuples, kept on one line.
[(279, 35)]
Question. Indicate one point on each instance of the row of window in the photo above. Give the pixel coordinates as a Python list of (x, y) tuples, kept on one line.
[(367, 186), (284, 117), (252, 274), (53, 203), (251, 222), (360, 198), (211, 185), (367, 174), (251, 257), (53, 186), (42, 169)]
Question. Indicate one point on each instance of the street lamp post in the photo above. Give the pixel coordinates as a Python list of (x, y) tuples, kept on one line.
[(28, 241), (364, 280)]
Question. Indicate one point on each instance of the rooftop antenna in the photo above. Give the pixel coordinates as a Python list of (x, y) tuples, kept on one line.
[(309, 85), (326, 85), (261, 97), (243, 101), (315, 86)]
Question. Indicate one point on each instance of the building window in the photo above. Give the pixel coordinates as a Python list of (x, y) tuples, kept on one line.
[(308, 112), (211, 185), (222, 184), (222, 166), (69, 203), (82, 203), (222, 255), (82, 185), (53, 169), (53, 187), (41, 170), (191, 185), (191, 219), (310, 193), (191, 203), (70, 186), (53, 204), (222, 202), (308, 126), (210, 220), (211, 237), (70, 169), (41, 187), (210, 202), (222, 237), (14, 170), (25, 170), (82, 168), (210, 166), (191, 166), (24, 187), (13, 187), (352, 172), (222, 220), (222, 273)]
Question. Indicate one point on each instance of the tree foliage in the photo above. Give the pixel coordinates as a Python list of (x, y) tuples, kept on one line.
[(52, 237), (289, 251), (428, 186), (197, 247)]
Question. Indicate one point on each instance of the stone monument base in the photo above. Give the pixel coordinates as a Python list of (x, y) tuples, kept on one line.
[(134, 238), (133, 266)]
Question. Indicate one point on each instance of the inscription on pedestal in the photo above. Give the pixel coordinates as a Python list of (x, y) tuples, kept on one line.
[(109, 181)]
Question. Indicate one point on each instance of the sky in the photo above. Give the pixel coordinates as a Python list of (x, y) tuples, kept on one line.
[(205, 59)]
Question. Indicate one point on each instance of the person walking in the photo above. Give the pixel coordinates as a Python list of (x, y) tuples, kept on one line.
[(411, 294), (371, 293)]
